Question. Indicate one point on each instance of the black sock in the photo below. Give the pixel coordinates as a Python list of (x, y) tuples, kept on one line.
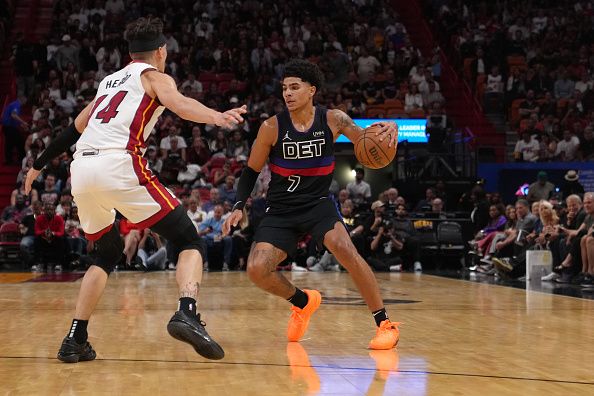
[(299, 299), (187, 304), (78, 330), (380, 315)]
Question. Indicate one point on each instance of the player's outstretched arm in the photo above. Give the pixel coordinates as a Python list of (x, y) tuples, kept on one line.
[(58, 145), (267, 135), (340, 122), (163, 87)]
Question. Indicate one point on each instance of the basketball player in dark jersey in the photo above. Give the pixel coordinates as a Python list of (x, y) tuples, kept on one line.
[(299, 144)]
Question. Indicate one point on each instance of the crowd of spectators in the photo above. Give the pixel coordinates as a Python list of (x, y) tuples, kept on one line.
[(532, 60), (222, 53)]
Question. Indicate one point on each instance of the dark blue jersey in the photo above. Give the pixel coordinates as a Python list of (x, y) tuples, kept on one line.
[(301, 164)]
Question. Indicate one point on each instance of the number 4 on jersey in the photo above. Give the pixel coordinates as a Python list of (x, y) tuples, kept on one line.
[(111, 110)]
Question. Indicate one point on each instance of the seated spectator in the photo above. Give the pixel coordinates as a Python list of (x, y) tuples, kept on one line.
[(166, 146), (195, 85), (529, 106), (564, 86), (211, 230), (50, 192), (586, 151), (220, 175), (151, 252), (406, 239), (413, 99), (359, 190), (155, 164), (527, 148), (227, 191), (567, 149), (237, 145), (77, 244), (27, 230), (17, 212), (66, 199), (49, 238), (195, 212), (244, 235), (541, 189), (424, 205), (215, 199), (483, 238), (218, 145), (189, 175), (198, 153), (572, 185), (437, 208)]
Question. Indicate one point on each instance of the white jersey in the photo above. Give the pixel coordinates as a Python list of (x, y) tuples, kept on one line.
[(123, 115)]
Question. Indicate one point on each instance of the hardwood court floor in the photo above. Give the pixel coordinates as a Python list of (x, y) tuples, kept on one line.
[(458, 338)]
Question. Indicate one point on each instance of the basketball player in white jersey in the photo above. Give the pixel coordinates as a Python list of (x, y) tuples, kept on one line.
[(109, 173)]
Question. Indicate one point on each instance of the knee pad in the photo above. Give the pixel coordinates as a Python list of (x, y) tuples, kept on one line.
[(109, 250), (179, 231)]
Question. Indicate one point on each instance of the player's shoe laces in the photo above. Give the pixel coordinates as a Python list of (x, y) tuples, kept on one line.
[(190, 329), (386, 336), (73, 352), (299, 319)]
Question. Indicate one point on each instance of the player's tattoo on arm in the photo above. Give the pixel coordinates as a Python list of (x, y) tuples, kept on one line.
[(344, 121), (190, 289)]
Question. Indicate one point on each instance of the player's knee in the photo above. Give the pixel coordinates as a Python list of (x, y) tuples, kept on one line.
[(109, 250), (341, 247), (256, 269)]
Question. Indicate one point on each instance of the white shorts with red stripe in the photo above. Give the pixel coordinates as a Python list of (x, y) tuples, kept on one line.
[(108, 180)]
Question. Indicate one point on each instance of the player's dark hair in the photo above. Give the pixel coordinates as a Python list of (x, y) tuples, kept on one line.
[(144, 35), (304, 70)]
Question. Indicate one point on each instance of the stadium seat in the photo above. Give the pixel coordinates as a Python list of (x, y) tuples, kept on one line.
[(10, 241)]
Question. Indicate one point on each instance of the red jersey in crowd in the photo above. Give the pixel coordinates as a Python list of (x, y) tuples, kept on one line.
[(55, 224)]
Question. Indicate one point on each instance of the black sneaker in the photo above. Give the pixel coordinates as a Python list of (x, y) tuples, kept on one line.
[(587, 282), (190, 329), (73, 352)]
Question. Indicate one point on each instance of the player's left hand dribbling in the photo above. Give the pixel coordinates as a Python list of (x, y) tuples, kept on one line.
[(387, 128), (31, 176), (232, 221)]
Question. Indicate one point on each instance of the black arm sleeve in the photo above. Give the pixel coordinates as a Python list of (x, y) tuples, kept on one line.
[(246, 184), (61, 143)]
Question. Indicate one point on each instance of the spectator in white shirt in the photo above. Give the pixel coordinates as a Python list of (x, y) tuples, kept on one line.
[(494, 82), (195, 212), (359, 190), (527, 148), (204, 28), (165, 145), (585, 83), (172, 44), (108, 53), (568, 147), (195, 85), (366, 66), (413, 99)]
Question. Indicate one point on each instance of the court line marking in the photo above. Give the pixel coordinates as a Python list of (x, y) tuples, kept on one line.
[(340, 368)]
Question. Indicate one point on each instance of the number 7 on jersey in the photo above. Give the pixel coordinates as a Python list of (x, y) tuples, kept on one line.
[(295, 180)]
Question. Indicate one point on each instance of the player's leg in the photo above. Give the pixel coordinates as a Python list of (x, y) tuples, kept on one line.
[(185, 325), (97, 221), (271, 249), (338, 242)]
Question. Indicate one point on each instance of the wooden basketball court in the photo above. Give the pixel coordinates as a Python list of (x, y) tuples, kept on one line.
[(458, 338)]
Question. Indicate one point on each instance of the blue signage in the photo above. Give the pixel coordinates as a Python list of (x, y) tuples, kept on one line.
[(411, 130)]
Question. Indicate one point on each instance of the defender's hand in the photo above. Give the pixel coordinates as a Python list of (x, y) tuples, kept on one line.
[(388, 130), (230, 118), (31, 176), (232, 221)]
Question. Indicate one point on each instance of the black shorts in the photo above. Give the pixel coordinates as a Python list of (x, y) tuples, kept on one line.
[(284, 230)]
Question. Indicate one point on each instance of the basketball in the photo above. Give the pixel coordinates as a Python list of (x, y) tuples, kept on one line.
[(373, 153)]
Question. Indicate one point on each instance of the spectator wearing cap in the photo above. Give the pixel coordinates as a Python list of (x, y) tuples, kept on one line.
[(572, 185), (541, 188), (65, 53), (359, 190)]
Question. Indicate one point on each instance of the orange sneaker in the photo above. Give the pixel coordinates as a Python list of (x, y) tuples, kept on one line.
[(386, 362), (386, 336), (299, 319)]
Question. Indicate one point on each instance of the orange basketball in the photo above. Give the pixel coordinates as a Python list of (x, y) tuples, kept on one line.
[(373, 153)]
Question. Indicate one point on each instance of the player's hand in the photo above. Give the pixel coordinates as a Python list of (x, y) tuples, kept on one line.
[(230, 118), (232, 221), (388, 130), (31, 176)]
